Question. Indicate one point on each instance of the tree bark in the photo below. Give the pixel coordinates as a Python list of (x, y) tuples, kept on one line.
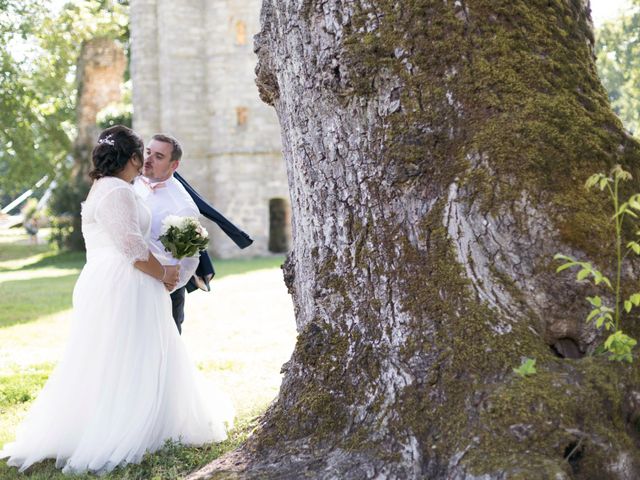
[(99, 75), (436, 155)]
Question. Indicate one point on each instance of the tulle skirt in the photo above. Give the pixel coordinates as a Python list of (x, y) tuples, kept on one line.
[(125, 383)]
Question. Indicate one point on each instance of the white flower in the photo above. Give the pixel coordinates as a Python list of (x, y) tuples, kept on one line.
[(202, 231), (172, 221), (182, 223)]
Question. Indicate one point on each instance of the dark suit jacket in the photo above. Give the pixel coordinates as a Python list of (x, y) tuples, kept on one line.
[(205, 268)]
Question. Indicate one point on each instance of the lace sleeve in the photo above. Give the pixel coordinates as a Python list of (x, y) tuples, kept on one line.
[(117, 212)]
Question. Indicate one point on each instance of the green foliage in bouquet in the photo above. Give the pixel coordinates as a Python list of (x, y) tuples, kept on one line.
[(183, 236)]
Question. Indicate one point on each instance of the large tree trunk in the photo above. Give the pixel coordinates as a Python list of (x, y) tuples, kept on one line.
[(436, 154), (99, 75)]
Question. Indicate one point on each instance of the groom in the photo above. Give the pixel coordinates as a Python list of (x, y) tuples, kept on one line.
[(167, 193), (164, 195)]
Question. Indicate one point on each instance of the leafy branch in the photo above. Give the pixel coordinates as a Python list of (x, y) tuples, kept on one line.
[(618, 344)]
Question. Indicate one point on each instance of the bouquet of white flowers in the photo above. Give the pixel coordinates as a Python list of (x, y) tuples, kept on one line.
[(183, 236)]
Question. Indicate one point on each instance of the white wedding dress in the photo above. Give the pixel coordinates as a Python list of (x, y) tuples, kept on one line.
[(125, 384)]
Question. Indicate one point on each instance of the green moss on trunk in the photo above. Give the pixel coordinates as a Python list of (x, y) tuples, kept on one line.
[(500, 97)]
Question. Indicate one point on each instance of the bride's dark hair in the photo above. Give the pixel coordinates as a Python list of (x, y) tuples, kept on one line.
[(116, 145)]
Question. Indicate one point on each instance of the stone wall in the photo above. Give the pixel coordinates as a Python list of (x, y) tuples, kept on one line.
[(192, 68)]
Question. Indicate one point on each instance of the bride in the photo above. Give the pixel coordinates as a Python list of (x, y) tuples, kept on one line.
[(125, 384)]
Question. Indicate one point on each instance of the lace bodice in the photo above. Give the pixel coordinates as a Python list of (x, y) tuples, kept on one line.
[(114, 216)]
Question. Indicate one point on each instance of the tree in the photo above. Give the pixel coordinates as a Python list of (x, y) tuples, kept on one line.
[(618, 50), (100, 72), (31, 123), (436, 154), (39, 52)]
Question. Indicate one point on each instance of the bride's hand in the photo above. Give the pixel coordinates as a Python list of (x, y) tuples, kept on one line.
[(171, 276)]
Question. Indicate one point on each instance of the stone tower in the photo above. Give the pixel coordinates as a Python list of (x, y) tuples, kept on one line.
[(192, 69)]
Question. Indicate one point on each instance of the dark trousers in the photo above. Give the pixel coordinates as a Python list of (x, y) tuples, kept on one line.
[(177, 307)]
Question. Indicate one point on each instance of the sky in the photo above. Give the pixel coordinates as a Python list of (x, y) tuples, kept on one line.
[(602, 10)]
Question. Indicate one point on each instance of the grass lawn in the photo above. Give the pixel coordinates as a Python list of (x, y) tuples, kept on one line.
[(238, 335), (37, 281)]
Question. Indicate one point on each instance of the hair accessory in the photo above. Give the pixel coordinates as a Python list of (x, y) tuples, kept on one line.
[(108, 140)]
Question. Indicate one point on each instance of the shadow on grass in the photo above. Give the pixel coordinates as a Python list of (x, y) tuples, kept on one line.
[(65, 260), (23, 301), (31, 257), (17, 251), (223, 267)]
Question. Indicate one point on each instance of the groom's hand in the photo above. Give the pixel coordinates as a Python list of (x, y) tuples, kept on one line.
[(171, 276)]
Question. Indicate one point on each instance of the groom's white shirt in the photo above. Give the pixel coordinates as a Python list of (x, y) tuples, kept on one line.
[(171, 199)]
